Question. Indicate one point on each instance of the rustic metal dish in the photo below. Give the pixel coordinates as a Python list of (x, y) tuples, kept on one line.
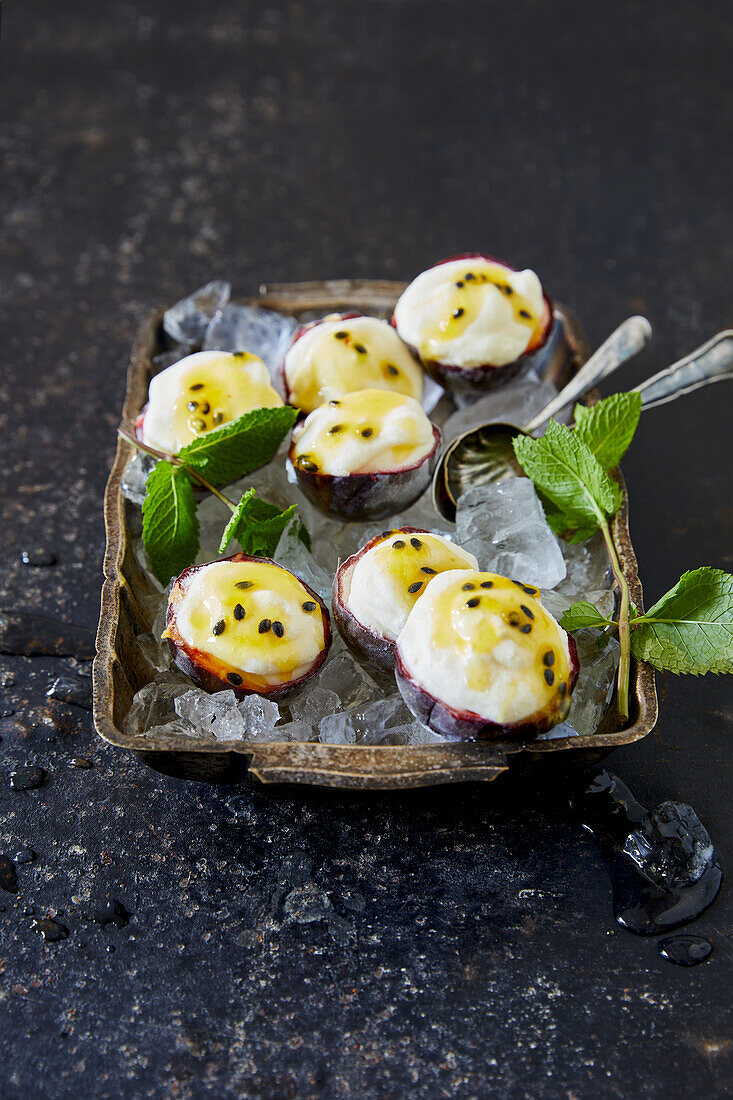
[(120, 669)]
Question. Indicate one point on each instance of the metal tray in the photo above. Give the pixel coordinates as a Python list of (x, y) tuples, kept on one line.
[(120, 670)]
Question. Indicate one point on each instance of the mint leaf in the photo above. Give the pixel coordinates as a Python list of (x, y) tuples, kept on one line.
[(608, 427), (257, 526), (227, 453), (581, 615), (560, 524), (690, 630), (170, 525), (566, 472)]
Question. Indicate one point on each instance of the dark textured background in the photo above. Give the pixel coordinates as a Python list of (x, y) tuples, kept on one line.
[(453, 942)]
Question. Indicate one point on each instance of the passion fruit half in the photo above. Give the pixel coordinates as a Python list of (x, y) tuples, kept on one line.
[(480, 658), (248, 625), (474, 322), (376, 588), (345, 352), (366, 455), (201, 392)]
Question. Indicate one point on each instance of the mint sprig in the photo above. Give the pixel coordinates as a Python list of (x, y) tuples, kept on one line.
[(257, 526), (570, 477), (224, 454), (690, 630), (581, 615), (608, 427), (170, 523)]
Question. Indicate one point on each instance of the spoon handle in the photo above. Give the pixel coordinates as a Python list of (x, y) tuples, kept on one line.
[(628, 339), (711, 362)]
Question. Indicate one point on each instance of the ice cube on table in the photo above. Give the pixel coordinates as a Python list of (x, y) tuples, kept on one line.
[(504, 526), (671, 847), (261, 332), (187, 321)]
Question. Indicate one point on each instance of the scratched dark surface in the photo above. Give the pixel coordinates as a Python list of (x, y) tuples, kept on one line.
[(455, 942)]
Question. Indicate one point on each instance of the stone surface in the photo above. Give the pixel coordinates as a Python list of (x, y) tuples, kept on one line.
[(147, 148)]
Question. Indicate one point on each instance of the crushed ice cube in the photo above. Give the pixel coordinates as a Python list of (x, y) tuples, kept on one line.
[(314, 703), (504, 526), (594, 689), (168, 358), (187, 321), (261, 332), (154, 706), (218, 713), (516, 403), (671, 847), (259, 713), (345, 678), (294, 556), (136, 475)]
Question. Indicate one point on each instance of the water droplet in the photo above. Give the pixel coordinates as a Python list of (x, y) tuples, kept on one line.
[(25, 855), (38, 555), (51, 930), (27, 778), (8, 877), (685, 949), (80, 762), (113, 913)]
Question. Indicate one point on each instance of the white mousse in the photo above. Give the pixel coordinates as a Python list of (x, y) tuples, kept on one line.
[(201, 392), (335, 357), (471, 313), (381, 589), (369, 431), (215, 614), (469, 647)]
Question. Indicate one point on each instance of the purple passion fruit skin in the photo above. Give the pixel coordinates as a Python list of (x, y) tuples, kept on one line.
[(367, 642), (210, 673), (368, 496), (465, 725), (486, 377)]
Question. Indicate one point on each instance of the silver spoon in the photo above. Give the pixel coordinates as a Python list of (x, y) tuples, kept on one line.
[(469, 463), (485, 453)]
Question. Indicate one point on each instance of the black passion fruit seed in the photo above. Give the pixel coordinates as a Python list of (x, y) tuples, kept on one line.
[(309, 606), (243, 584), (234, 678), (549, 658), (219, 628), (264, 626), (526, 610), (473, 602), (277, 628), (197, 386), (428, 570), (416, 543), (549, 677), (415, 587), (239, 611), (467, 587), (487, 584), (398, 545)]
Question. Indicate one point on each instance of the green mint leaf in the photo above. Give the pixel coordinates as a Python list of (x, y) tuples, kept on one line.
[(690, 630), (564, 527), (257, 526), (570, 477), (170, 525), (581, 615), (608, 427), (227, 453)]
